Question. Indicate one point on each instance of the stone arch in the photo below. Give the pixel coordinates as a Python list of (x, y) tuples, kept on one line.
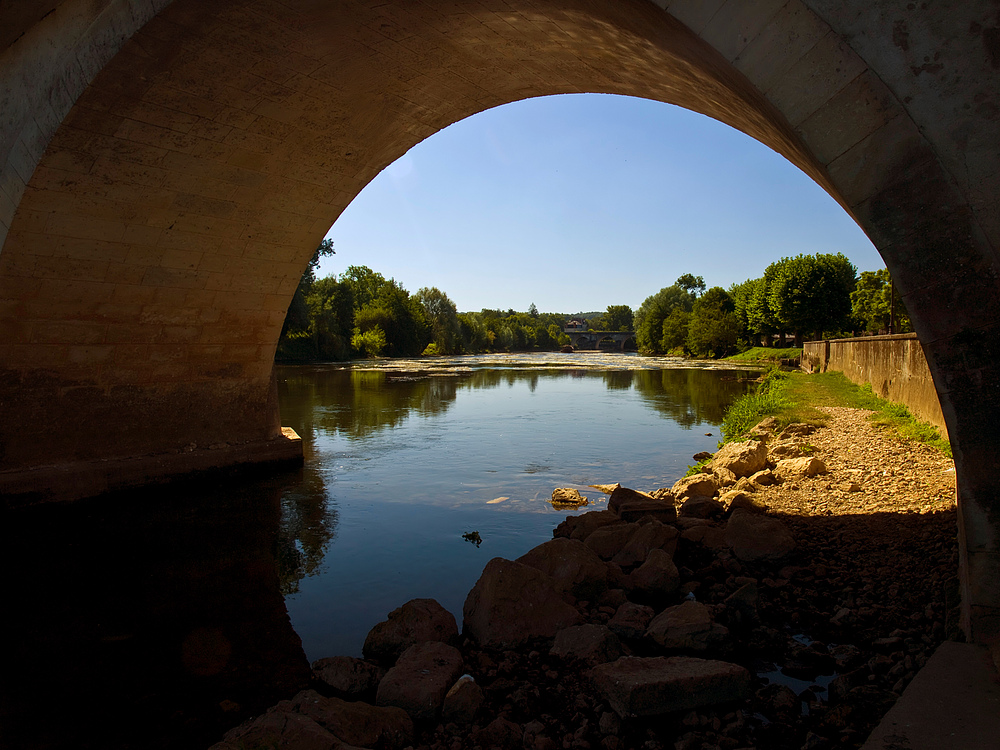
[(166, 169)]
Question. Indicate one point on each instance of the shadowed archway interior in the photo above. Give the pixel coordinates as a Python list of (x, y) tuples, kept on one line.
[(169, 168)]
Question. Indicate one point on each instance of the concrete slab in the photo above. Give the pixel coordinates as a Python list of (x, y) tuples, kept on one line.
[(952, 704)]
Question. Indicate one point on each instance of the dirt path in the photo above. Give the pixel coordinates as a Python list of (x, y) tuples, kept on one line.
[(890, 475)]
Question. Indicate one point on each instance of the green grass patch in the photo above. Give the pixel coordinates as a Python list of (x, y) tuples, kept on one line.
[(767, 400), (794, 396), (767, 354)]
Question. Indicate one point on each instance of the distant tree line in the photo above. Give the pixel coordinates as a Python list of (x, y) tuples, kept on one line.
[(363, 314), (805, 295)]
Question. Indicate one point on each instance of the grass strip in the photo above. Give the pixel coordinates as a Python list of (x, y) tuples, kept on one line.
[(767, 354), (793, 397)]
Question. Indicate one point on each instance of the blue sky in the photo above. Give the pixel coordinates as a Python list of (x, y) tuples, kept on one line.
[(582, 201)]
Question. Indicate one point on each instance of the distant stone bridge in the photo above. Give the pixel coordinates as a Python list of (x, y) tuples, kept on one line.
[(593, 339)]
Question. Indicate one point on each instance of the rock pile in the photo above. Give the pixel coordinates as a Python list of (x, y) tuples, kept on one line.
[(674, 619)]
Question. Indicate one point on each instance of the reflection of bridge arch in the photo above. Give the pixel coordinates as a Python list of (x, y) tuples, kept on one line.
[(591, 340), (168, 168)]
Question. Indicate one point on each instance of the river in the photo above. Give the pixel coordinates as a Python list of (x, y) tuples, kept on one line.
[(187, 608)]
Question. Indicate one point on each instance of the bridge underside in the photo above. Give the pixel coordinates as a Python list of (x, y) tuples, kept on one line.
[(169, 167)]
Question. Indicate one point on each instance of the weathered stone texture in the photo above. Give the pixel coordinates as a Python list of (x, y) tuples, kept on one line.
[(643, 686)]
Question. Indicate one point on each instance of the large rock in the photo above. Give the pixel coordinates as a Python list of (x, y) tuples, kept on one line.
[(796, 468), (763, 478), (347, 677), (585, 524), (358, 724), (631, 621), (685, 626), (656, 577), (462, 701), (765, 427), (798, 429), (649, 536), (512, 604), (712, 537), (735, 500), (500, 734), (608, 541), (416, 621), (592, 644), (631, 505), (563, 497), (743, 602), (787, 449), (742, 459), (755, 537), (700, 506), (279, 728), (636, 686), (723, 477), (573, 566), (696, 484), (421, 679)]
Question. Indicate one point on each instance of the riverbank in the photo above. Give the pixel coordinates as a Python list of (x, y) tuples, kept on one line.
[(823, 625)]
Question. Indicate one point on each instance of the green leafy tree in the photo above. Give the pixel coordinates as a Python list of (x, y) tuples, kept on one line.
[(473, 334), (713, 330), (742, 296), (296, 340), (692, 284), (675, 330), (655, 309), (365, 284), (297, 318), (442, 315), (331, 314), (871, 303), (618, 318), (400, 317), (812, 293), (760, 317), (370, 343)]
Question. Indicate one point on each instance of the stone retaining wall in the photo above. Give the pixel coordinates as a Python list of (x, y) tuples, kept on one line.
[(894, 366)]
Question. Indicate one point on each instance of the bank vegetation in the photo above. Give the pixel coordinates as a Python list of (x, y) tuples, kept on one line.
[(361, 313)]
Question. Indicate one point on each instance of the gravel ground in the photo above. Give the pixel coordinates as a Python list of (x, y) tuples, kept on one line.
[(892, 476)]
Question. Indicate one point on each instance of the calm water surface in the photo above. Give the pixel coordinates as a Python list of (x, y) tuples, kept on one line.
[(161, 617), (403, 457)]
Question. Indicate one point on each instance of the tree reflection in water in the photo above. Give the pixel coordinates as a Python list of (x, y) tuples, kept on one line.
[(358, 404), (691, 397)]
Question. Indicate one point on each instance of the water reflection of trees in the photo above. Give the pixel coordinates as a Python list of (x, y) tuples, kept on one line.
[(619, 380), (691, 397), (358, 403), (308, 525)]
